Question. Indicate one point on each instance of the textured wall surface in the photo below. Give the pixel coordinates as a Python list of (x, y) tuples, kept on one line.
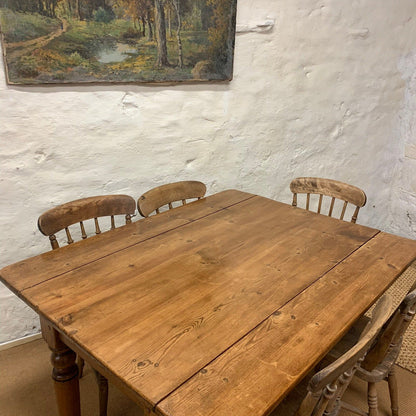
[(329, 91)]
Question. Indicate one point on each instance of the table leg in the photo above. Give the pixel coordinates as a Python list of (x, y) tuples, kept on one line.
[(64, 373)]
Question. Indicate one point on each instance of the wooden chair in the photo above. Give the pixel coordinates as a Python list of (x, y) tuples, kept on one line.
[(63, 216), (326, 388), (78, 211), (153, 200), (328, 187), (379, 363)]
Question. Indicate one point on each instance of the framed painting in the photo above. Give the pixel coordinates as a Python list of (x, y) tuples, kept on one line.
[(117, 41)]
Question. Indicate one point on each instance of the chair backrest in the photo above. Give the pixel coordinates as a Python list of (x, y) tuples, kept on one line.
[(326, 387), (331, 188), (80, 210), (392, 333), (163, 195)]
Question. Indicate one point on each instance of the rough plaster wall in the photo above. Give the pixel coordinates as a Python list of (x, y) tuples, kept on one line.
[(403, 200), (321, 94)]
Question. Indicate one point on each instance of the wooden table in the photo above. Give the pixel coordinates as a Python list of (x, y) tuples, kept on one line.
[(216, 308)]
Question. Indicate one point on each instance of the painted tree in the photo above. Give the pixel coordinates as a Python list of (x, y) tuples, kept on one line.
[(88, 7), (177, 7), (169, 12), (180, 9), (194, 14), (219, 34), (141, 12), (71, 8), (43, 7), (162, 49), (206, 14), (149, 20), (78, 9)]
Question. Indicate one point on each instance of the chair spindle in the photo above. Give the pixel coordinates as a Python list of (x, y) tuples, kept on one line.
[(320, 203), (97, 226), (354, 216), (68, 236), (344, 207), (168, 195), (328, 393), (53, 241), (83, 233), (74, 212), (295, 200), (331, 208), (328, 188)]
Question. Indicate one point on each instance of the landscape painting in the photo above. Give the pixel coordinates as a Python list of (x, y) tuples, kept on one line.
[(90, 41)]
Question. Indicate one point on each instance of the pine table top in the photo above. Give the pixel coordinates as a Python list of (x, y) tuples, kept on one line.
[(218, 307)]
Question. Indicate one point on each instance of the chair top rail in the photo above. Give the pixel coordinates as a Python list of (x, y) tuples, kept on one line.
[(329, 187), (62, 216), (163, 195)]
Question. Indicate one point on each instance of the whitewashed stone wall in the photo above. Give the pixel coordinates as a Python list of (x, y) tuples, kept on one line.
[(329, 91)]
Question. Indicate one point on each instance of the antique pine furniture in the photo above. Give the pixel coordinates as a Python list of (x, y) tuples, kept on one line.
[(207, 309), (328, 187), (78, 211), (379, 363), (153, 200), (326, 388)]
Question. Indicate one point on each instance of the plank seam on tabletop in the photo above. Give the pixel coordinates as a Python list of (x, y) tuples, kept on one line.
[(137, 243), (160, 412)]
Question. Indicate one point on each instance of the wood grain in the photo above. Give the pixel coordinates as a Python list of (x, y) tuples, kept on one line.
[(62, 216), (64, 374), (331, 188), (252, 376), (46, 266), (169, 305), (327, 387), (211, 307), (167, 194)]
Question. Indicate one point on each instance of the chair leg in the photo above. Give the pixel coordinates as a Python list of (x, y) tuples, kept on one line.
[(372, 400), (80, 365), (102, 392), (394, 399)]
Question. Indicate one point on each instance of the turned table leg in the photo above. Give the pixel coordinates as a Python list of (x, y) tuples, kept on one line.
[(102, 392), (64, 373)]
